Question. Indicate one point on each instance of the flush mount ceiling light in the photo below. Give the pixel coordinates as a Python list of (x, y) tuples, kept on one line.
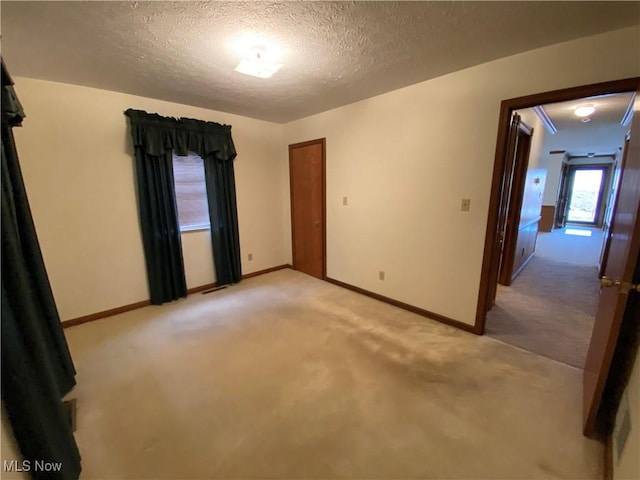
[(584, 110), (260, 56), (257, 66)]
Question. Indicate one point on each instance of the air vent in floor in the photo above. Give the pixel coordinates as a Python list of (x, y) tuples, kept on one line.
[(215, 289)]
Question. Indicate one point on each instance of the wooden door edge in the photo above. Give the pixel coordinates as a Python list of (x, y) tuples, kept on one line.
[(515, 205)]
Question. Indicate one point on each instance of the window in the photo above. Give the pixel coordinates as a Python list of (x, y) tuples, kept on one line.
[(586, 194), (191, 192)]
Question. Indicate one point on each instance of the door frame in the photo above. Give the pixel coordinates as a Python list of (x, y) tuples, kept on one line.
[(507, 108), (323, 143)]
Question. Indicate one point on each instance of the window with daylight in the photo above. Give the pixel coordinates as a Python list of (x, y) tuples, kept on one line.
[(191, 192)]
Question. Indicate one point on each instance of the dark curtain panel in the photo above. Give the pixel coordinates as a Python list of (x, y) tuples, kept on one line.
[(223, 213), (37, 369), (155, 138), (159, 223)]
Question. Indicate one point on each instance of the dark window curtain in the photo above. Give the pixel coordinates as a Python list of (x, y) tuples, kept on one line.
[(157, 137), (37, 369), (223, 213), (159, 223)]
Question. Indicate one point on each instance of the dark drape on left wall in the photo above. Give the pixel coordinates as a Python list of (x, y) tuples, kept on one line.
[(37, 369), (155, 139)]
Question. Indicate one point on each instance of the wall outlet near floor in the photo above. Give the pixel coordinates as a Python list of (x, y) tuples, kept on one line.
[(465, 204), (381, 275), (250, 256)]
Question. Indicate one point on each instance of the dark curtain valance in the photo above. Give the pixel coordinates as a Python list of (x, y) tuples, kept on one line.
[(12, 113), (156, 134)]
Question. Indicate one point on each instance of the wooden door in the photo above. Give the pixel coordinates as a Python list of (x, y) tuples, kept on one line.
[(307, 176), (514, 205), (623, 256), (505, 197)]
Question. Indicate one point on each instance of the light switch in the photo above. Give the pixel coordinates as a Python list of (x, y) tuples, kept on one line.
[(345, 201), (465, 205)]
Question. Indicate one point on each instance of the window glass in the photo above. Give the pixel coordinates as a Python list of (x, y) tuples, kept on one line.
[(191, 192)]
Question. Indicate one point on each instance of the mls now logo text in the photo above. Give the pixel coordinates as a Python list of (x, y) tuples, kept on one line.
[(29, 466)]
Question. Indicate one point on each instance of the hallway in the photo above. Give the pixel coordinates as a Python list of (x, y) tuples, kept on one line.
[(549, 308)]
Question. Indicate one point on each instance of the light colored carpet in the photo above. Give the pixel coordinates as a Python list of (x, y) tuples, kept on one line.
[(286, 376), (549, 308), (574, 249)]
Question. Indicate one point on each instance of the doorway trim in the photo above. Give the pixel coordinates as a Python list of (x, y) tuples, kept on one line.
[(507, 107), (323, 143)]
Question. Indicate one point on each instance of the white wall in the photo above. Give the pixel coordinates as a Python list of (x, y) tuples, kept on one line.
[(627, 467), (406, 158), (536, 170), (554, 174), (588, 138), (76, 157)]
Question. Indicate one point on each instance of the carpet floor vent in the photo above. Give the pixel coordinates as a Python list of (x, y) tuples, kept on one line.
[(222, 287)]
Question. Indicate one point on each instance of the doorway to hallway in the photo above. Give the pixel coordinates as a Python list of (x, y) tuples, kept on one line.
[(571, 168), (623, 240)]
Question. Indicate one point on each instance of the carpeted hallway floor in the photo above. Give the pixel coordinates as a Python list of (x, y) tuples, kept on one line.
[(286, 376), (549, 308)]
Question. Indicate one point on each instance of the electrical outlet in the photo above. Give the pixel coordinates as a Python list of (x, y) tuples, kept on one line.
[(345, 201), (250, 256), (465, 205), (381, 275)]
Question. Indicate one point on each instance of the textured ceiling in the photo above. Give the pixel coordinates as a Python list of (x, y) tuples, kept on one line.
[(338, 52), (609, 110)]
